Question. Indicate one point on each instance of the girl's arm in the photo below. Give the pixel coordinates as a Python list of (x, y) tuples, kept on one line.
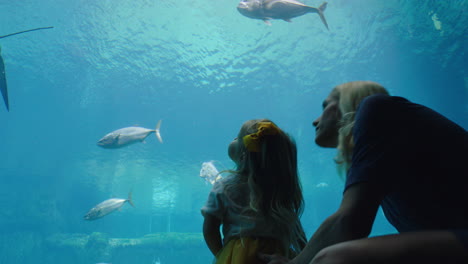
[(211, 233)]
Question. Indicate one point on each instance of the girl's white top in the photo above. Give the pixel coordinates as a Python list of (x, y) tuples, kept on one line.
[(229, 209)]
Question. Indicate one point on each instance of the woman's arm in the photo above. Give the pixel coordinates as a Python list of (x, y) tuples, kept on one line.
[(353, 220), (211, 233)]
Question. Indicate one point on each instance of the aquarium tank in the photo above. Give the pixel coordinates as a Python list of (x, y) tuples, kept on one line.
[(202, 68)]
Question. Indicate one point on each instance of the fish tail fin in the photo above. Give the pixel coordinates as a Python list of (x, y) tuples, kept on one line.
[(156, 131), (320, 11), (129, 199)]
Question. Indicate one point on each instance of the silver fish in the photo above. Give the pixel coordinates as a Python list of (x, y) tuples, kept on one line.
[(278, 9), (107, 207), (128, 135)]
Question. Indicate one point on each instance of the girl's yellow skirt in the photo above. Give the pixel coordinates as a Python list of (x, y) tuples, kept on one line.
[(245, 250)]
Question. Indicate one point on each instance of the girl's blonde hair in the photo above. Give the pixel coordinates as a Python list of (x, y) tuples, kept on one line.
[(274, 186), (349, 97)]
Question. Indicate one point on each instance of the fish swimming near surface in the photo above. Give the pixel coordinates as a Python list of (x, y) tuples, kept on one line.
[(209, 172), (107, 207), (128, 135), (3, 83), (279, 9)]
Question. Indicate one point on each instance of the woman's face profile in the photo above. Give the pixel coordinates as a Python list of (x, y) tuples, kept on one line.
[(327, 125)]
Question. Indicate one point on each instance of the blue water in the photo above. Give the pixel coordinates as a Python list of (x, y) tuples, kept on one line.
[(203, 69)]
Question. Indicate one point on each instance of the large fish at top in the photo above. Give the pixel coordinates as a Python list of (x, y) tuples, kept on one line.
[(107, 207), (128, 135), (278, 9)]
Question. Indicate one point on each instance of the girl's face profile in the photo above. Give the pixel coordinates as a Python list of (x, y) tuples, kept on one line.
[(236, 148), (233, 150)]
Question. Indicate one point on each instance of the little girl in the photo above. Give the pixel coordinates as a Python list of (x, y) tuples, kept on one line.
[(259, 204)]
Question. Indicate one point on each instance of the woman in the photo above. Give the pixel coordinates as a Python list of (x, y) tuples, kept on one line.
[(404, 157)]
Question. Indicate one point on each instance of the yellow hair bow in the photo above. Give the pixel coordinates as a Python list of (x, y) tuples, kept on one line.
[(252, 141)]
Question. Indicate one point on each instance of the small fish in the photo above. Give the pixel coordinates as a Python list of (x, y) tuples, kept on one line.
[(278, 9), (128, 135), (107, 207), (209, 172)]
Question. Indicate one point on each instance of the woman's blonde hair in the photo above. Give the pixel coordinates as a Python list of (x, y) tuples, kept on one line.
[(274, 185), (349, 97)]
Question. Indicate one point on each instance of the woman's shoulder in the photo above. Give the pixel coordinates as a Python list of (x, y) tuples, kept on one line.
[(379, 106), (380, 100), (383, 101)]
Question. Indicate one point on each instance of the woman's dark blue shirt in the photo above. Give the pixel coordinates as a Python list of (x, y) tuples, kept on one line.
[(417, 158)]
